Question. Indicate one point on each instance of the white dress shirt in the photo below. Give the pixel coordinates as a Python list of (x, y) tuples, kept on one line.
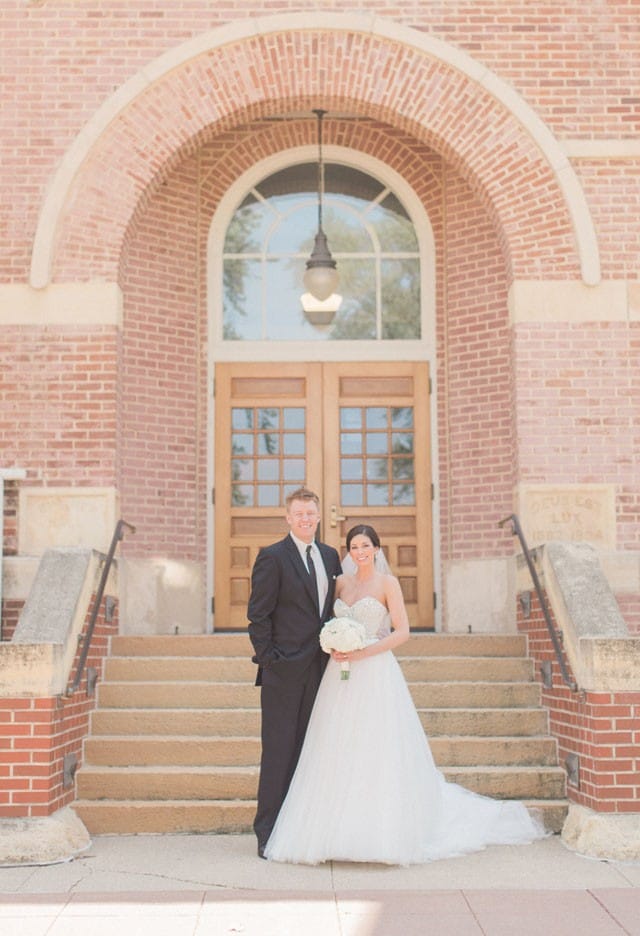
[(321, 572)]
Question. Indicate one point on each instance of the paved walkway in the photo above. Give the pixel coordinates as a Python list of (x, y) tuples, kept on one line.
[(214, 885)]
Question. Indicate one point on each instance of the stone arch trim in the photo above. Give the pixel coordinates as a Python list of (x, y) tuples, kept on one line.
[(261, 67)]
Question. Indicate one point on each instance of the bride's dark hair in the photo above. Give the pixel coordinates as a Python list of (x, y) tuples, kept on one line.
[(363, 529)]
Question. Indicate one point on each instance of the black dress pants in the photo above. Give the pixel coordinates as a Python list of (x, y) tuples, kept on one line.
[(286, 708)]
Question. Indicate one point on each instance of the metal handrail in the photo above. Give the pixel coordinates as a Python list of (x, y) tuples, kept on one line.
[(118, 534), (516, 530)]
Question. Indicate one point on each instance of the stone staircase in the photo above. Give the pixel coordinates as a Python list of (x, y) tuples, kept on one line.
[(174, 742)]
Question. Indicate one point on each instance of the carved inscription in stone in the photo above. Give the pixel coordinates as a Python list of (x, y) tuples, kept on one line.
[(577, 513)]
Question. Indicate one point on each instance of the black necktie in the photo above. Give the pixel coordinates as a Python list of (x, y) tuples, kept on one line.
[(312, 575)]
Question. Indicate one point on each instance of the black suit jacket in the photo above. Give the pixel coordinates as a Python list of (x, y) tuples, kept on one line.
[(283, 611)]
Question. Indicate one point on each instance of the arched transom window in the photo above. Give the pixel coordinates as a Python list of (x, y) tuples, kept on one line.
[(371, 237)]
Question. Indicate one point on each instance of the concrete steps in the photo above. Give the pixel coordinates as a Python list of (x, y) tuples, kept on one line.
[(124, 751), (146, 816), (234, 669), (174, 743), (223, 695), (161, 782)]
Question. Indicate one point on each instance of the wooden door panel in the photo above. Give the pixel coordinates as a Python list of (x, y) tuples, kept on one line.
[(384, 389), (253, 468), (258, 412)]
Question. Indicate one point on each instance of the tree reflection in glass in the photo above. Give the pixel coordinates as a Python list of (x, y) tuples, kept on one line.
[(372, 239)]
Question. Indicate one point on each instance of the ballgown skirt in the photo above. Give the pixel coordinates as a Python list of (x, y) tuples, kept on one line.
[(366, 787)]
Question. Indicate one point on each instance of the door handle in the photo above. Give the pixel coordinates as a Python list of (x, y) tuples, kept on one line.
[(336, 518)]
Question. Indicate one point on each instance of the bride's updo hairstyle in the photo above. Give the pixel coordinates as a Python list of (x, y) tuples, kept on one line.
[(363, 529)]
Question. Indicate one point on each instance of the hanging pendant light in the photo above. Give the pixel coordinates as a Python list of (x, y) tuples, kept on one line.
[(321, 276)]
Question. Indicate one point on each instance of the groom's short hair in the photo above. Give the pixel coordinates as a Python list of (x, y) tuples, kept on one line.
[(301, 494)]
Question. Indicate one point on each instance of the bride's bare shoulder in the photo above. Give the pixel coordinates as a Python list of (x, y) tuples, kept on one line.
[(391, 583)]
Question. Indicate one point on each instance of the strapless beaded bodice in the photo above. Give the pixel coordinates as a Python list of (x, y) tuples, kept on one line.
[(368, 611)]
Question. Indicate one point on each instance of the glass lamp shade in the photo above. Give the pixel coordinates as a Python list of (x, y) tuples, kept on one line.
[(321, 281), (320, 313), (321, 277)]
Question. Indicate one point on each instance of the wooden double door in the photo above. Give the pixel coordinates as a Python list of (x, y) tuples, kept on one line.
[(357, 434)]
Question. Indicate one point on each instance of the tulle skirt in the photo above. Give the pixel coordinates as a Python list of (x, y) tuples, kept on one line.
[(367, 789)]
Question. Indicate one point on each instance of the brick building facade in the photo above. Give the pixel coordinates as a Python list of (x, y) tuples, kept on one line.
[(127, 128)]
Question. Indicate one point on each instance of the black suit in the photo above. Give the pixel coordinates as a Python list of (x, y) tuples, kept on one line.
[(284, 624)]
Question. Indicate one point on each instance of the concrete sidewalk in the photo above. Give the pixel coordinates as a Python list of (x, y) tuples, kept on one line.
[(152, 885)]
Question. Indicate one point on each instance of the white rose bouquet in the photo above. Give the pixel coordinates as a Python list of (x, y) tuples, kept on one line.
[(343, 634)]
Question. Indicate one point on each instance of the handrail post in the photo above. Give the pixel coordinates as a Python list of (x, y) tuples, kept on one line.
[(118, 534), (516, 530)]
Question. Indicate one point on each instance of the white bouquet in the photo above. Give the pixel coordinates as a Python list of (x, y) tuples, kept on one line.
[(343, 634)]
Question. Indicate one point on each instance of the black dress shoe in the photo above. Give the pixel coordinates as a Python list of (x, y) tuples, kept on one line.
[(261, 853)]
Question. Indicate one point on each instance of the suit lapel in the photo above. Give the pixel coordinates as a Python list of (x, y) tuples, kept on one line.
[(300, 568)]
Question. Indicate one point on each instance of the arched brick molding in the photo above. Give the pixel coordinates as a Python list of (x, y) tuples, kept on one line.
[(280, 66)]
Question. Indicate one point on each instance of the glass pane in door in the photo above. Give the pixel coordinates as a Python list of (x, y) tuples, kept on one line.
[(268, 446), (373, 448)]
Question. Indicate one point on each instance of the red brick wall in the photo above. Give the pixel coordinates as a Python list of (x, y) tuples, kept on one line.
[(479, 137), (11, 610), (37, 733), (630, 609), (150, 188), (59, 391), (612, 189), (600, 727), (163, 418), (577, 410), (10, 507), (573, 62), (476, 436)]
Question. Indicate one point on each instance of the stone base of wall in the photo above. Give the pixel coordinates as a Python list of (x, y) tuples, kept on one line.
[(612, 837), (45, 840), (162, 596), (480, 596)]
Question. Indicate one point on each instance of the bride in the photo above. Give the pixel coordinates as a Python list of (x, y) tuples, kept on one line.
[(366, 787)]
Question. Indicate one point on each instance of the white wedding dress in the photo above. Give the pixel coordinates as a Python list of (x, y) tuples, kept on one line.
[(366, 787)]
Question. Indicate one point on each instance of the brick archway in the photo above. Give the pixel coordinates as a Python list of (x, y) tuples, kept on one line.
[(281, 66)]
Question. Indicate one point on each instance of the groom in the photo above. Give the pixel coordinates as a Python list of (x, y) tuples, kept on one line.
[(292, 589)]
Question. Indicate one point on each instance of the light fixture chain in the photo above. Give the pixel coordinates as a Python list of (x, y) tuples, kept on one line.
[(320, 114), (321, 277)]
